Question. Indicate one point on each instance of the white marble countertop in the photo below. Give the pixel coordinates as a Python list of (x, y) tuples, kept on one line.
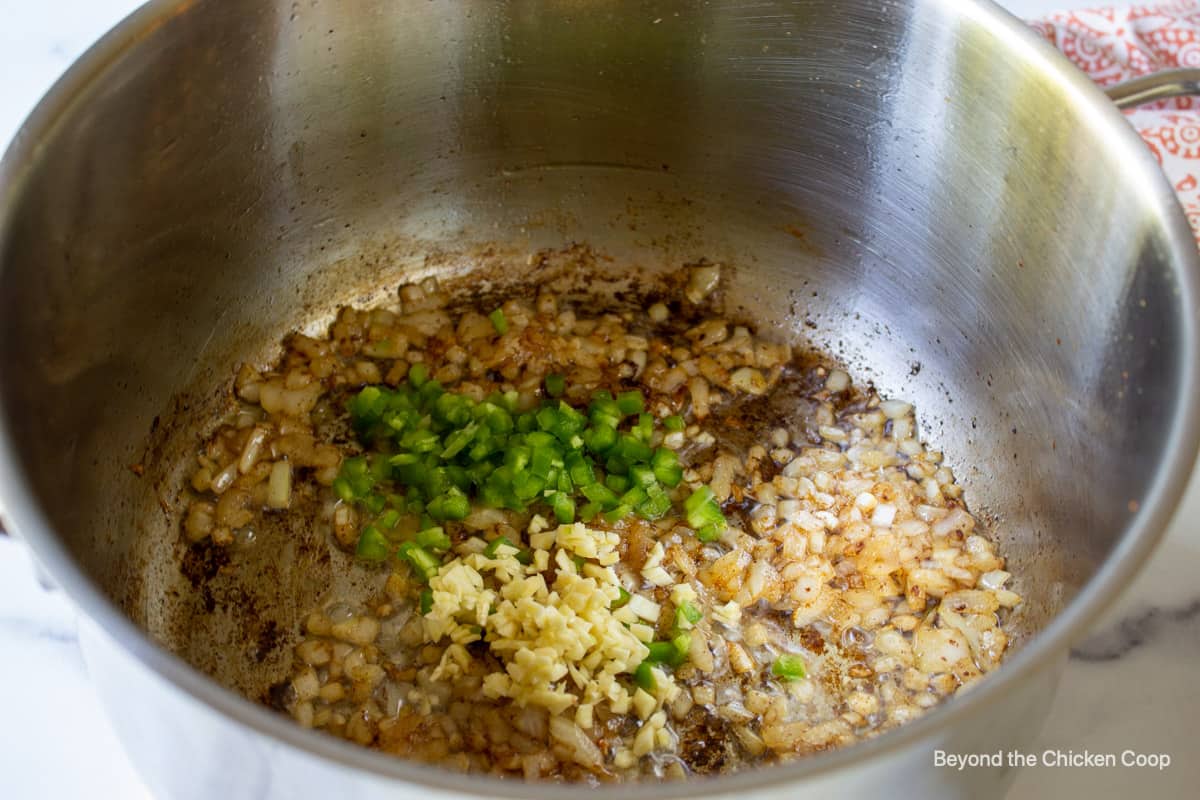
[(1130, 686)]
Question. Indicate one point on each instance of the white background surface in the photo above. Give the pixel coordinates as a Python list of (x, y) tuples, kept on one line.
[(1136, 689)]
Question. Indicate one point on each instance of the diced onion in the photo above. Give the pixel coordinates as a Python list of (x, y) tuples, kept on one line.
[(894, 409), (279, 485), (224, 479), (251, 451), (583, 750), (838, 381)]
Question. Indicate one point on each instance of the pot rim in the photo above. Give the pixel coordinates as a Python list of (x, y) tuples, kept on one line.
[(1142, 533)]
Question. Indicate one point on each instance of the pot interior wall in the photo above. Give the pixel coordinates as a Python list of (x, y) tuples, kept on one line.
[(920, 197)]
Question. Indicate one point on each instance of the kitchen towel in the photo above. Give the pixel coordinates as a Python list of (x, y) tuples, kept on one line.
[(1114, 44)]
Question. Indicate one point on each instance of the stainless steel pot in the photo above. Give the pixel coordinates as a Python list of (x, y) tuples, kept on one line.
[(920, 186)]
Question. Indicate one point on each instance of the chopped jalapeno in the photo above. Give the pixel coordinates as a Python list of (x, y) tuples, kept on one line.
[(499, 321), (789, 668)]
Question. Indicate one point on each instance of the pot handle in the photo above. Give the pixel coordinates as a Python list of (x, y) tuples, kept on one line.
[(1155, 86)]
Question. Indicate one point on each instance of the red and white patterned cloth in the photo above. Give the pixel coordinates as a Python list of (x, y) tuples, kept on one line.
[(1113, 44)]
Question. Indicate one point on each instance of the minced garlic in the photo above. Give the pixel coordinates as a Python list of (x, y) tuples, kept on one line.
[(729, 614), (653, 570), (561, 645), (683, 593)]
